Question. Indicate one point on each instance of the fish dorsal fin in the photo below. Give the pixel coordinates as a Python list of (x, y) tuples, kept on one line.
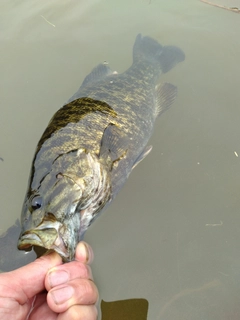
[(114, 144), (99, 72), (166, 94), (142, 155)]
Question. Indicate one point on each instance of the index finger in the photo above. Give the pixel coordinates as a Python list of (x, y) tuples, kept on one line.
[(29, 280)]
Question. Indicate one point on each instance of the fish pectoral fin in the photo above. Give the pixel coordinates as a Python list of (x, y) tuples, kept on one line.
[(99, 72), (114, 144), (166, 94), (142, 155)]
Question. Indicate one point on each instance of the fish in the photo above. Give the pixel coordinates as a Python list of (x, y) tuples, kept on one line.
[(92, 144)]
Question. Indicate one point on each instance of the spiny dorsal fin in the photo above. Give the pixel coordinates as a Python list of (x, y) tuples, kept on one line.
[(166, 94), (114, 144), (142, 155), (98, 73)]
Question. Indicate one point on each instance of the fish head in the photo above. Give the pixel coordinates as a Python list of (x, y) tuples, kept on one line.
[(49, 220), (58, 212)]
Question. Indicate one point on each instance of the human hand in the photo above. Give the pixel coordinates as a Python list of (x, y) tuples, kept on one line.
[(49, 289)]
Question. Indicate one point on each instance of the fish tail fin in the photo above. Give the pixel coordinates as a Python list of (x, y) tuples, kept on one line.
[(148, 49)]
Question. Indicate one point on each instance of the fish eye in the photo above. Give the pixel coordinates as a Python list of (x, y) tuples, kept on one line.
[(36, 202)]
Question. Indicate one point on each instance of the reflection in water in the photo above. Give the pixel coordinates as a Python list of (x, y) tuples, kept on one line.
[(51, 24), (233, 9), (186, 292)]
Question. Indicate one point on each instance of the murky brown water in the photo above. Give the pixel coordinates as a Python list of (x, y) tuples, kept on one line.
[(172, 234)]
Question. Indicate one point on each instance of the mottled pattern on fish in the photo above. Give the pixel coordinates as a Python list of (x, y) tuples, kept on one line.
[(64, 133), (91, 145)]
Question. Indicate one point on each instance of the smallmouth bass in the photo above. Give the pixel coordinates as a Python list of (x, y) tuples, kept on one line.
[(91, 145)]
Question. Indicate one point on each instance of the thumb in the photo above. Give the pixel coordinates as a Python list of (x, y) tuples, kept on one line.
[(84, 253), (29, 280)]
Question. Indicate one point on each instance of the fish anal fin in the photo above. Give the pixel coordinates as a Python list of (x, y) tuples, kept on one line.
[(99, 72), (142, 155), (114, 145), (166, 95)]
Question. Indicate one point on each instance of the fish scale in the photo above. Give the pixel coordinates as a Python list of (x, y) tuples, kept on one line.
[(91, 145)]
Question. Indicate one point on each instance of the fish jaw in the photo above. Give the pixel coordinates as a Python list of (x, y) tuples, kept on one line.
[(51, 234)]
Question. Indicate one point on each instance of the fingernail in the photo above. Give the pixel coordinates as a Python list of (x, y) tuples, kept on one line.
[(57, 277), (85, 252), (62, 295)]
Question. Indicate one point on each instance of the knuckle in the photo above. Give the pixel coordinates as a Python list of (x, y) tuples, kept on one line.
[(89, 292), (81, 313), (84, 271), (94, 313)]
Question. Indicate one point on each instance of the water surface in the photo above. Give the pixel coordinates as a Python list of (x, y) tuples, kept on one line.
[(171, 236)]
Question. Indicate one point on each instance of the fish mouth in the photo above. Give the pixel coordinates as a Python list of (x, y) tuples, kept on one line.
[(46, 235)]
